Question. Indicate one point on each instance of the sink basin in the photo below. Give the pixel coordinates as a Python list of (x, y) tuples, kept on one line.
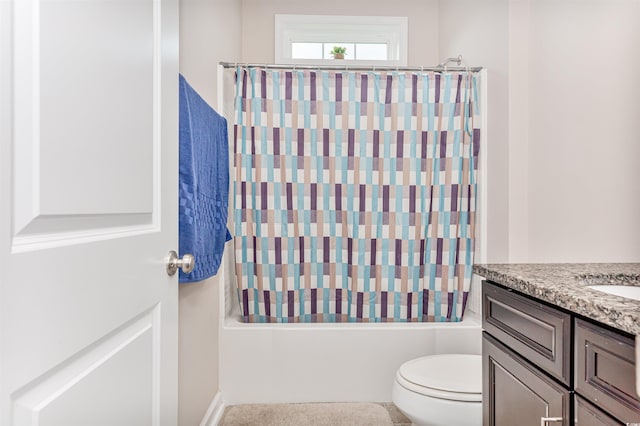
[(628, 291)]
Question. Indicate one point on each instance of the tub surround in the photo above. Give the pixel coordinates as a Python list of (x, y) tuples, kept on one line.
[(264, 363), (566, 285)]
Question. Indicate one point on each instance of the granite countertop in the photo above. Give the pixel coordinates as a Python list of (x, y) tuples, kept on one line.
[(565, 285)]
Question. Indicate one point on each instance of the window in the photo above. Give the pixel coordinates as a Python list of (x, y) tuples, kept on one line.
[(355, 51), (369, 40)]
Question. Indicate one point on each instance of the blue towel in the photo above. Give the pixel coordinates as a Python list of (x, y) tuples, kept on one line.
[(204, 184)]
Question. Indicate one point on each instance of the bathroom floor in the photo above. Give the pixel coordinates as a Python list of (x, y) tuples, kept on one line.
[(397, 417), (314, 414)]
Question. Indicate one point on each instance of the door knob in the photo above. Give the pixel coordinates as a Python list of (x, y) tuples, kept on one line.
[(187, 263)]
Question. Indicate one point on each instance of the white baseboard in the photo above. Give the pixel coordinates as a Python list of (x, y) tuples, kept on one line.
[(214, 413)]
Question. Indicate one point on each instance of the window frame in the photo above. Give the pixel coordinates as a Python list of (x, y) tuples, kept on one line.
[(391, 30)]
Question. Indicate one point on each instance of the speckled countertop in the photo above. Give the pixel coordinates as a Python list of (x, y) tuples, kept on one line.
[(565, 285)]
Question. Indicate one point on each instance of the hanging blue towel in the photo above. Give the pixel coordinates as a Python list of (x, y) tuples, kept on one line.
[(204, 184)]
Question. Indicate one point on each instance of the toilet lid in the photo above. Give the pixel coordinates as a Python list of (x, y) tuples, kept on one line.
[(448, 373)]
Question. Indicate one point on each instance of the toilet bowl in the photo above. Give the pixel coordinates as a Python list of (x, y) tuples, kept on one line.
[(440, 390)]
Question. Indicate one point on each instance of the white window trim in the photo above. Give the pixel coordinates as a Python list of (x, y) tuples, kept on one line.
[(392, 30)]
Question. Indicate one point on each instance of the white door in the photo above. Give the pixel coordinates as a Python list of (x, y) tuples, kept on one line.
[(88, 212)]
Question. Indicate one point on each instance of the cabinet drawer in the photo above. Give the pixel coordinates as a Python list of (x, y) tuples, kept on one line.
[(517, 393), (537, 332), (605, 370), (588, 415)]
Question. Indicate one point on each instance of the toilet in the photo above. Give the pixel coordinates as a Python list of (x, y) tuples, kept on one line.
[(440, 390)]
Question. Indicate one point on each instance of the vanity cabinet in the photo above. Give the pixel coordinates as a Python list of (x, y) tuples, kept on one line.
[(524, 343), (532, 375), (516, 393)]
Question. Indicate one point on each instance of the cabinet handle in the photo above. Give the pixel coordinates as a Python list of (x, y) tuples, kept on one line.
[(544, 420)]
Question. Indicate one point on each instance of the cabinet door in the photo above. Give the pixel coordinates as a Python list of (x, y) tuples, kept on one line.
[(516, 393), (588, 415), (605, 370)]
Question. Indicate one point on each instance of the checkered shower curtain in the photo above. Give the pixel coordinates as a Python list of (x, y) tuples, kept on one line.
[(355, 194)]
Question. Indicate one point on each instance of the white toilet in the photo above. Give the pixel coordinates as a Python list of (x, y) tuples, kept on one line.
[(440, 390)]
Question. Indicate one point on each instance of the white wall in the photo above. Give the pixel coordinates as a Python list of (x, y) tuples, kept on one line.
[(478, 30), (584, 145), (210, 32), (258, 23), (563, 139)]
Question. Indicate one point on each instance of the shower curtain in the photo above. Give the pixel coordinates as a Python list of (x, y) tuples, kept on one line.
[(354, 194)]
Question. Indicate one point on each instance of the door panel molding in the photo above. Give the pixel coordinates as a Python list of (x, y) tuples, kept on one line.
[(45, 231), (38, 399), (78, 180)]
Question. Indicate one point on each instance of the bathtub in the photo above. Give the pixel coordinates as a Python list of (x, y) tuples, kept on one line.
[(273, 363), (269, 363)]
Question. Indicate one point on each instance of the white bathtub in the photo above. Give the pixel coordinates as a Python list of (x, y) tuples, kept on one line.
[(269, 363), (336, 362)]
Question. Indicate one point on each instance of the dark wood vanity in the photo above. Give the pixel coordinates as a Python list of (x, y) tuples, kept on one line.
[(548, 365)]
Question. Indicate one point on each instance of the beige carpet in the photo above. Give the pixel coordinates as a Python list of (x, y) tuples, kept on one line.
[(317, 414)]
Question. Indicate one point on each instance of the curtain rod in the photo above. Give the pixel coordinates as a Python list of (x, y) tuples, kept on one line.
[(439, 68)]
